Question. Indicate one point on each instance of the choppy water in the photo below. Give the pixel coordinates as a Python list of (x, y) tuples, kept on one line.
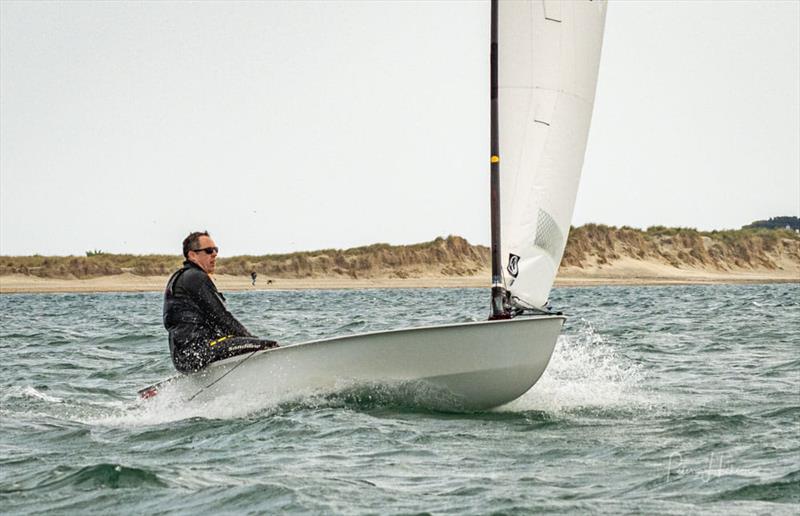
[(658, 399)]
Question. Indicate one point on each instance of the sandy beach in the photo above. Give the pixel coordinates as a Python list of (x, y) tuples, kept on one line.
[(622, 272)]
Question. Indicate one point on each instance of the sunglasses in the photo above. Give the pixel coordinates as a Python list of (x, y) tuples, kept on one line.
[(207, 250)]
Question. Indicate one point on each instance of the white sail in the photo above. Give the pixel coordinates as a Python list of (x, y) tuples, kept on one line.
[(549, 53)]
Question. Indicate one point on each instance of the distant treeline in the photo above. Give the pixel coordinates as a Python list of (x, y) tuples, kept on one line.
[(588, 245), (776, 223)]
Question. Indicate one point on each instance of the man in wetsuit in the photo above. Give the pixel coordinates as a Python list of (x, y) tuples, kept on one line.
[(201, 330)]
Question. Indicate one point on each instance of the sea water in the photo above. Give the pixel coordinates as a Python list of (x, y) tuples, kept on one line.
[(667, 399)]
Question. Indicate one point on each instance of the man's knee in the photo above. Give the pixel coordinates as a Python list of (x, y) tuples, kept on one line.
[(191, 357)]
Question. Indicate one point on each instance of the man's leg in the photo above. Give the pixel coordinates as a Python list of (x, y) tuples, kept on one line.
[(227, 347)]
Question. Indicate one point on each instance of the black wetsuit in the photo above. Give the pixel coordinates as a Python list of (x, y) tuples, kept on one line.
[(201, 330)]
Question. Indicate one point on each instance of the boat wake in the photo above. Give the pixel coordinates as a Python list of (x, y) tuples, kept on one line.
[(170, 406), (586, 373)]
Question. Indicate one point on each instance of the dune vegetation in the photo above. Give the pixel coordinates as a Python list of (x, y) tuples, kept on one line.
[(452, 256), (728, 250), (589, 246)]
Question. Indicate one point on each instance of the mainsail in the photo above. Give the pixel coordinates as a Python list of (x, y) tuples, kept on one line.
[(548, 57)]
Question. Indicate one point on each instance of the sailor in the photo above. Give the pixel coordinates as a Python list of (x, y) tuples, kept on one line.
[(201, 329)]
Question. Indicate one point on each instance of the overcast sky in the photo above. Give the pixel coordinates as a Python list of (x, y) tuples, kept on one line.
[(297, 126)]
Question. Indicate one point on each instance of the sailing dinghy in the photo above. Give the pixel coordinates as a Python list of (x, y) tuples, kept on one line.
[(544, 62)]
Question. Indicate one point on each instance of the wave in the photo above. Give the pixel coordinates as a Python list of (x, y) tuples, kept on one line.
[(127, 338), (786, 366), (789, 413), (30, 393), (114, 476), (783, 490)]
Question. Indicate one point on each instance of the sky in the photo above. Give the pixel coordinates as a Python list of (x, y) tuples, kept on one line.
[(282, 127)]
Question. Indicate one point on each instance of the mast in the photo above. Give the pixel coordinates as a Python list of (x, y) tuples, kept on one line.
[(498, 287)]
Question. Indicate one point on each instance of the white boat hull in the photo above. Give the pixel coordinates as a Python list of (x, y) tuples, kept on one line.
[(469, 366)]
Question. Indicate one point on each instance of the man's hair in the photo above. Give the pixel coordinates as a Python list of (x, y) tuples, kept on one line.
[(191, 241)]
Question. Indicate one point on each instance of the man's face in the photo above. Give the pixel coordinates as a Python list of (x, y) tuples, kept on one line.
[(205, 261)]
